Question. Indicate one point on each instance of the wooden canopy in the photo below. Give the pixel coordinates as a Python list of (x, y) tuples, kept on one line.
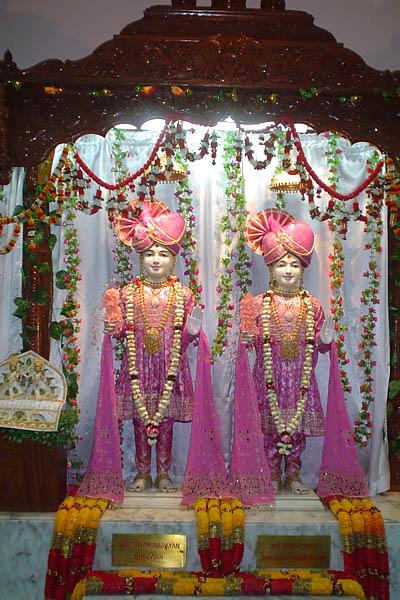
[(254, 65)]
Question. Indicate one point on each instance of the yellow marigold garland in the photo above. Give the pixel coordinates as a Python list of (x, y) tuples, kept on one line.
[(364, 543), (220, 533), (73, 544), (177, 583)]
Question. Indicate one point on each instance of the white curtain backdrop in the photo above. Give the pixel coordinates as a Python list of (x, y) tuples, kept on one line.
[(208, 184), (10, 270)]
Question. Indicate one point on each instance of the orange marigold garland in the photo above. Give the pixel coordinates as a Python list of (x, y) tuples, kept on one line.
[(73, 544), (364, 544), (220, 534)]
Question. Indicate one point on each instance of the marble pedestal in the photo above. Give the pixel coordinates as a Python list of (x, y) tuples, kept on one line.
[(25, 539)]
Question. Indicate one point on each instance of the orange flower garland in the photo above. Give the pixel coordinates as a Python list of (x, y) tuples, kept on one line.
[(265, 583), (220, 534), (73, 544), (364, 544)]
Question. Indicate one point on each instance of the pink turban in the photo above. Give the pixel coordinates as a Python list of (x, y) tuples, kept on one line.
[(155, 224), (273, 233)]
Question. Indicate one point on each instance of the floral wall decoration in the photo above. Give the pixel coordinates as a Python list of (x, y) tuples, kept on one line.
[(235, 262), (186, 207), (74, 186), (337, 259), (368, 301)]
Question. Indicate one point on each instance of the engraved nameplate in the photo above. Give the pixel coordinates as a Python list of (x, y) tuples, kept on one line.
[(293, 551), (149, 550)]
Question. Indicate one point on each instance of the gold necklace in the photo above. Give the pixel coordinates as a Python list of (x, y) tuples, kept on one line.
[(289, 341), (152, 335), (286, 429), (158, 284), (152, 423)]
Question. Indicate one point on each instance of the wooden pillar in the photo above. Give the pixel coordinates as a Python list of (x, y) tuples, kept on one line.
[(36, 280), (394, 404), (5, 164), (32, 475)]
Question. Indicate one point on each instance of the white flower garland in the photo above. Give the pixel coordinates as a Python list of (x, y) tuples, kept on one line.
[(153, 423), (286, 430)]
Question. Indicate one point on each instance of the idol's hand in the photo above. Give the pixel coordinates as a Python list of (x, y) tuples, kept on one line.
[(195, 320), (247, 338), (327, 331), (109, 327)]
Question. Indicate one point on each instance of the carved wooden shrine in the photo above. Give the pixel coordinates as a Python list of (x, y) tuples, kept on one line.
[(228, 60)]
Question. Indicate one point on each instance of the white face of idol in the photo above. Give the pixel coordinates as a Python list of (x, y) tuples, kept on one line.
[(287, 272), (157, 263)]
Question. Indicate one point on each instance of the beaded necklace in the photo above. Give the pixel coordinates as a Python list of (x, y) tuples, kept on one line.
[(284, 429), (152, 423)]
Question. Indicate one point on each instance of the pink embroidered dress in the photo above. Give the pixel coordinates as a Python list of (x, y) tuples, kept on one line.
[(153, 368), (287, 374), (274, 234), (152, 311)]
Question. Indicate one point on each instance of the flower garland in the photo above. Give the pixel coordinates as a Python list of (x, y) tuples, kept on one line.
[(235, 261), (364, 543), (49, 188), (337, 257), (69, 327), (220, 534), (122, 260), (269, 150), (263, 583), (282, 154), (73, 544), (178, 139), (331, 190), (152, 423), (129, 178), (369, 299), (183, 194), (286, 430)]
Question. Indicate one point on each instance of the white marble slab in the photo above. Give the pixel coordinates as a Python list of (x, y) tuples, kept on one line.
[(25, 539), (284, 501)]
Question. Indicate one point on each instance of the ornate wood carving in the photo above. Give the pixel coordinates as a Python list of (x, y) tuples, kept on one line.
[(255, 51)]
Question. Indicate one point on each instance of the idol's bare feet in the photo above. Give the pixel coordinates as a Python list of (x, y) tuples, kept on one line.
[(141, 483), (297, 487), (164, 484)]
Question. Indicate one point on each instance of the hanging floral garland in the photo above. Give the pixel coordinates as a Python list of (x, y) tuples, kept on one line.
[(283, 148), (290, 349), (177, 139), (369, 299), (176, 298), (35, 211), (184, 194), (220, 534), (364, 543), (269, 150), (235, 262), (67, 329), (337, 258), (73, 544), (329, 189)]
